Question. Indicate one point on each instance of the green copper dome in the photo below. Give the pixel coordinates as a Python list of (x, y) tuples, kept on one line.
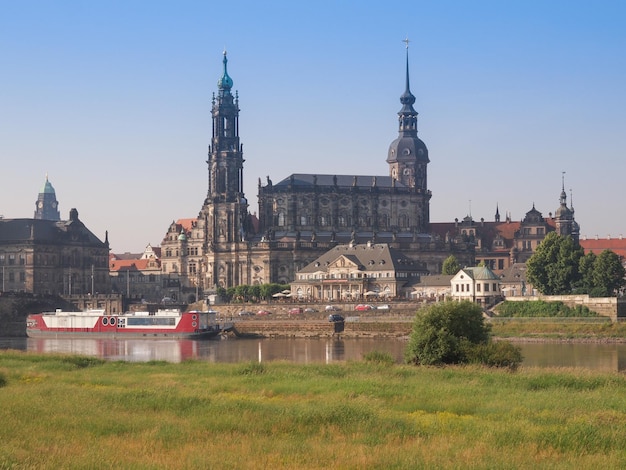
[(225, 83)]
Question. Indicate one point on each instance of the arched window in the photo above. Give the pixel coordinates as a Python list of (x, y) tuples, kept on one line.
[(281, 219), (385, 221), (403, 221)]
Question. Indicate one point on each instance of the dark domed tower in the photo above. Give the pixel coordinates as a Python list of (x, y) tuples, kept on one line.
[(408, 155), (47, 206), (564, 217)]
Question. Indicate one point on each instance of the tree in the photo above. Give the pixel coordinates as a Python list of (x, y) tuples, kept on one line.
[(608, 275), (444, 332), (450, 266), (585, 269), (554, 267)]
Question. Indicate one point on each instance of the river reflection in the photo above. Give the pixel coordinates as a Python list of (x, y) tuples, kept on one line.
[(300, 351), (602, 357)]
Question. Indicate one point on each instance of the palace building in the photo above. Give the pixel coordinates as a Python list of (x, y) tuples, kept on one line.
[(303, 215)]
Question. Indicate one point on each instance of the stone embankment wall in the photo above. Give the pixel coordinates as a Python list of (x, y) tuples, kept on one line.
[(322, 329), (394, 323), (612, 307), (14, 308)]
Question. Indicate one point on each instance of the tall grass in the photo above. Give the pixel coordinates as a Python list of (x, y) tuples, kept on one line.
[(280, 415)]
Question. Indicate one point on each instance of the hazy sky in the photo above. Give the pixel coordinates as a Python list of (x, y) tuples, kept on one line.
[(112, 99)]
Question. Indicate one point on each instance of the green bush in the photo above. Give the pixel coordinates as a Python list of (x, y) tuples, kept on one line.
[(495, 354), (441, 331), (540, 308)]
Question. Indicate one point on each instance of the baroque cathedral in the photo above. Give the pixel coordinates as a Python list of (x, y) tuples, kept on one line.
[(303, 215)]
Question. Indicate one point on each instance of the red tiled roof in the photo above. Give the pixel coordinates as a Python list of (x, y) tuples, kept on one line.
[(598, 245), (131, 264), (186, 224)]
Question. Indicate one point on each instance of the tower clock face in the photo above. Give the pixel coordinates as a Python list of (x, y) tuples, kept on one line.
[(40, 204), (54, 205)]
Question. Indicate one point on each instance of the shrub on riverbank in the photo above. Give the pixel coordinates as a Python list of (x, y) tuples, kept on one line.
[(456, 333), (349, 415), (539, 308)]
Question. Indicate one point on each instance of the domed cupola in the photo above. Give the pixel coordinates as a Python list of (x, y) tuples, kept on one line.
[(408, 156), (564, 216), (563, 210), (225, 83)]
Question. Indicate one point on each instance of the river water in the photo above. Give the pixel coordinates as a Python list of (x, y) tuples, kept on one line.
[(595, 356)]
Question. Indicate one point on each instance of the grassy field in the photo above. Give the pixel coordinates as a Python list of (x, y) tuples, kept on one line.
[(74, 412)]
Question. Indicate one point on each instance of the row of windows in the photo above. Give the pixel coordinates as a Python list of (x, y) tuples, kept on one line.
[(485, 287), (11, 259), (73, 260), (304, 277), (529, 231), (11, 277), (191, 251), (344, 221), (138, 277), (491, 263)]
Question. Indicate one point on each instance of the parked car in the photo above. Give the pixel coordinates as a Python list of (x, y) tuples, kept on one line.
[(295, 311), (332, 308), (363, 308), (245, 313), (309, 310), (384, 307), (263, 312), (335, 317)]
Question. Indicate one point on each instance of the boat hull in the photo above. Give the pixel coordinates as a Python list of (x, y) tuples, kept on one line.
[(34, 333), (166, 324)]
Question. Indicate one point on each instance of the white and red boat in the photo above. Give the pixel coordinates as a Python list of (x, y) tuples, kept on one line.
[(167, 323)]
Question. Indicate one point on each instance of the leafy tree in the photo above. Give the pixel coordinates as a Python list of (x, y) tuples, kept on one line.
[(444, 332), (450, 266), (554, 267), (255, 292), (608, 274), (585, 269)]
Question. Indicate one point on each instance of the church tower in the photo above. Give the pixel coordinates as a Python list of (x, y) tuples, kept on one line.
[(225, 206), (408, 156), (46, 206), (564, 216), (224, 214)]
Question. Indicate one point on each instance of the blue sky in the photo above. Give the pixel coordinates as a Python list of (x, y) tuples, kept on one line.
[(112, 99)]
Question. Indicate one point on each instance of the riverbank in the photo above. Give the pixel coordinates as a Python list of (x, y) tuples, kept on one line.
[(400, 326), (279, 415)]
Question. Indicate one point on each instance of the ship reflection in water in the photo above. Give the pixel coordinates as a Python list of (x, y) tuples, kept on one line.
[(595, 356), (299, 351)]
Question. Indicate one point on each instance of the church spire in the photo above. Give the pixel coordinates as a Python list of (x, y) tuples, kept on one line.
[(407, 115)]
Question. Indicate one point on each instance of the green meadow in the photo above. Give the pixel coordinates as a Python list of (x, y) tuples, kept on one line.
[(76, 412)]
